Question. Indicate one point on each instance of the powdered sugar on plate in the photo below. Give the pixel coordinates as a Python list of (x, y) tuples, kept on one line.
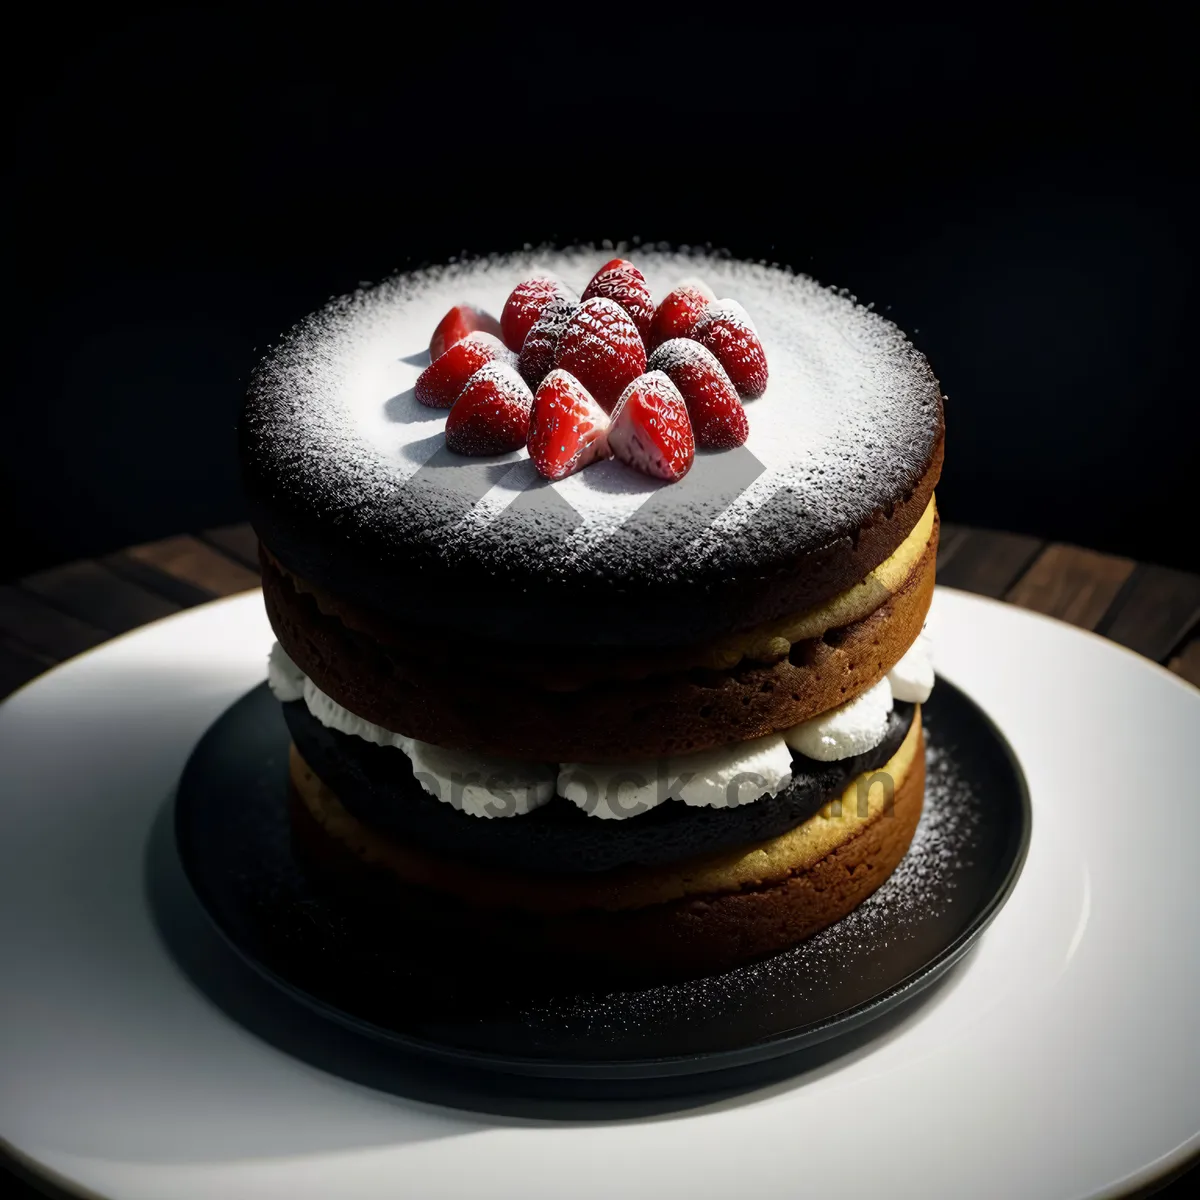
[(918, 892)]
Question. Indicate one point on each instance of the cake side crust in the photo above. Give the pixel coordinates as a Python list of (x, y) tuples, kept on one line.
[(619, 721), (819, 880)]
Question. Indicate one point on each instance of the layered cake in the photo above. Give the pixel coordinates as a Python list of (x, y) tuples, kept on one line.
[(599, 590)]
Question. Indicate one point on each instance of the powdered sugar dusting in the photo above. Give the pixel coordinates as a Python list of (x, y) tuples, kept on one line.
[(923, 884), (920, 889), (700, 285), (849, 416), (729, 311), (541, 342), (521, 475), (602, 348), (623, 282), (683, 352)]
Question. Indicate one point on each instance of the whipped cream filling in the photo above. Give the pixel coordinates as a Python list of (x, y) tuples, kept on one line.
[(480, 787), (720, 778), (859, 725), (912, 677), (725, 777), (284, 678), (852, 728)]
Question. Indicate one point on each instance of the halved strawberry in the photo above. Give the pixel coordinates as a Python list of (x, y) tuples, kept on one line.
[(621, 281), (726, 329), (679, 311), (568, 429), (456, 324), (524, 305), (717, 415), (602, 348), (491, 416), (440, 383), (541, 342), (650, 429)]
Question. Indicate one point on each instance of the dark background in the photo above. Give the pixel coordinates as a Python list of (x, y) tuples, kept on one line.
[(182, 186), (185, 185)]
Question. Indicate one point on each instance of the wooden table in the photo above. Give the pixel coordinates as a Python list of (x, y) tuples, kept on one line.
[(51, 615), (54, 614)]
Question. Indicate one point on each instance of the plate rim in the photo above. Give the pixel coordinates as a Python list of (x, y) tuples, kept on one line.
[(1137, 1175)]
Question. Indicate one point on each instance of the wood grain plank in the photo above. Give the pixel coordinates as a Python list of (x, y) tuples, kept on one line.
[(177, 591), (950, 537), (188, 559), (989, 562), (90, 591), (1154, 611), (28, 620), (18, 665), (238, 542), (1071, 583), (1187, 662)]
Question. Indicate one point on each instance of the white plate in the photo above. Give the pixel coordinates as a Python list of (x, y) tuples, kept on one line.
[(1061, 1059)]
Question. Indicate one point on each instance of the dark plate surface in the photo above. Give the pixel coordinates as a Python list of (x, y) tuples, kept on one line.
[(234, 842)]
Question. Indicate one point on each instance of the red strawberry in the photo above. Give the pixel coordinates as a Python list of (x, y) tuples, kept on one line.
[(456, 324), (726, 329), (492, 414), (541, 342), (568, 430), (621, 281), (681, 308), (601, 347), (650, 428), (718, 417), (524, 305), (441, 381)]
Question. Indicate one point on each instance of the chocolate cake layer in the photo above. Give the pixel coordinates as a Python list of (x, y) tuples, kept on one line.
[(567, 668), (650, 922), (464, 705), (376, 785), (350, 484)]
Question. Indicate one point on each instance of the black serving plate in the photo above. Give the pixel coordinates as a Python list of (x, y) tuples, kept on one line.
[(234, 841)]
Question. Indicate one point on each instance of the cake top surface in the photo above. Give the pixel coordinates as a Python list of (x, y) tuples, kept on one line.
[(337, 450)]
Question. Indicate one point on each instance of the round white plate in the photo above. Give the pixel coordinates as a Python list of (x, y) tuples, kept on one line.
[(1060, 1059)]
